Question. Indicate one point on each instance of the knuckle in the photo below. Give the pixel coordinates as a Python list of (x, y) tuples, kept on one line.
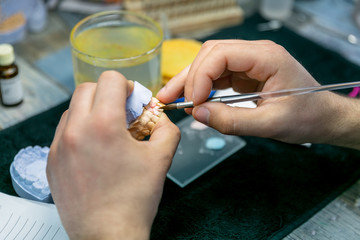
[(84, 86), (218, 46), (230, 128), (267, 42), (278, 49), (105, 127), (106, 117), (65, 113), (111, 74), (276, 52), (176, 131), (209, 44), (70, 140), (226, 124)]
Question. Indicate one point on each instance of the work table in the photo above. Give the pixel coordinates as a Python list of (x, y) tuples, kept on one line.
[(339, 219)]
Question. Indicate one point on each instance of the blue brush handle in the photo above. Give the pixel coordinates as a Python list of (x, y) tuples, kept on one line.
[(183, 99)]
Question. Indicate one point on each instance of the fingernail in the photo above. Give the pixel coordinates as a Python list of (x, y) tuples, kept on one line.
[(202, 114)]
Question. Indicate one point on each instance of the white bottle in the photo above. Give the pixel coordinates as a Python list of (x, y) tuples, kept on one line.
[(276, 9), (10, 82)]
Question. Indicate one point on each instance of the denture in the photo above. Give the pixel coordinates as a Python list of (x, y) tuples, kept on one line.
[(145, 123)]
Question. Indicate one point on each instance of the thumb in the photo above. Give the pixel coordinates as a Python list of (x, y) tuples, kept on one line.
[(165, 136), (232, 120)]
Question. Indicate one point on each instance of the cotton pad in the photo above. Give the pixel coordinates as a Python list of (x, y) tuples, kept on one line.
[(28, 174), (135, 103)]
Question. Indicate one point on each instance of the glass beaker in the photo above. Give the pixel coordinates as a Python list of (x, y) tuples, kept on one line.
[(127, 42)]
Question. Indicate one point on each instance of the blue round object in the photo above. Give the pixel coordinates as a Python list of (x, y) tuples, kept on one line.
[(215, 143)]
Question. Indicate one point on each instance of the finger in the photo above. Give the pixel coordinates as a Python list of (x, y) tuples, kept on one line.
[(205, 49), (240, 84), (203, 54), (165, 137), (174, 88), (234, 120), (110, 97), (257, 62), (82, 100)]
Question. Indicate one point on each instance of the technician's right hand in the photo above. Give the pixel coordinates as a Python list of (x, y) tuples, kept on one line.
[(106, 184), (255, 66)]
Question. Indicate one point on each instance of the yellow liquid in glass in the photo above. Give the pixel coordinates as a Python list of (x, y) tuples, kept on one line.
[(128, 49)]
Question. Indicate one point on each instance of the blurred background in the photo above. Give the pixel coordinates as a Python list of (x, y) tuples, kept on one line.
[(40, 29), (333, 24), (324, 35)]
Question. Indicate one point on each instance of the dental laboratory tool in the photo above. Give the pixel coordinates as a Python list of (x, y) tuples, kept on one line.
[(265, 95)]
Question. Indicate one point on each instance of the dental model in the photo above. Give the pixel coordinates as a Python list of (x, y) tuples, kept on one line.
[(142, 111), (28, 174), (144, 124)]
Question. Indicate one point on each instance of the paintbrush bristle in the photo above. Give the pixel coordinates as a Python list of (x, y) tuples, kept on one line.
[(170, 106)]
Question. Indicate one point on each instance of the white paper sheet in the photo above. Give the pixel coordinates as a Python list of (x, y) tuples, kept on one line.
[(25, 219)]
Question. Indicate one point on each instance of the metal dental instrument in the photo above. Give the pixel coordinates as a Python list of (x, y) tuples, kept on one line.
[(265, 95)]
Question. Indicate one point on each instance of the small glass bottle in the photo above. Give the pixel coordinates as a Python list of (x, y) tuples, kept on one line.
[(276, 9), (10, 82)]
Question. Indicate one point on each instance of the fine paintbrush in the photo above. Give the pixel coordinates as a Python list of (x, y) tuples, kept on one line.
[(265, 95)]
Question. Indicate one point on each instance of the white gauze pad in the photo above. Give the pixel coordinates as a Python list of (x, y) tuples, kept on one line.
[(136, 102)]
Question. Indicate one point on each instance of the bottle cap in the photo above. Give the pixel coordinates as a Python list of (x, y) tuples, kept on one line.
[(7, 55)]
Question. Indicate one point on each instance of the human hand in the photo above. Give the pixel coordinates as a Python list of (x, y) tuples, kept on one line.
[(106, 184), (253, 66)]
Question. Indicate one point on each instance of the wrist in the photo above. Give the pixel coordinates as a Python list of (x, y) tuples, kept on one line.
[(115, 231), (345, 129), (114, 224)]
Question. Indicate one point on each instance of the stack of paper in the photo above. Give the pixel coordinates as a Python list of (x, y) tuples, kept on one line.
[(25, 219)]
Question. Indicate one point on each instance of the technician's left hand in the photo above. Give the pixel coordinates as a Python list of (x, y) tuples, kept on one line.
[(105, 184)]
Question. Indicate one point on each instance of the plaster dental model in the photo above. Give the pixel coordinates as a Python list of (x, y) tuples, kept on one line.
[(143, 112), (144, 124), (28, 174)]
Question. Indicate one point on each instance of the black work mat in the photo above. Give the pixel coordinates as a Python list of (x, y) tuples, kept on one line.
[(268, 188), (264, 191)]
